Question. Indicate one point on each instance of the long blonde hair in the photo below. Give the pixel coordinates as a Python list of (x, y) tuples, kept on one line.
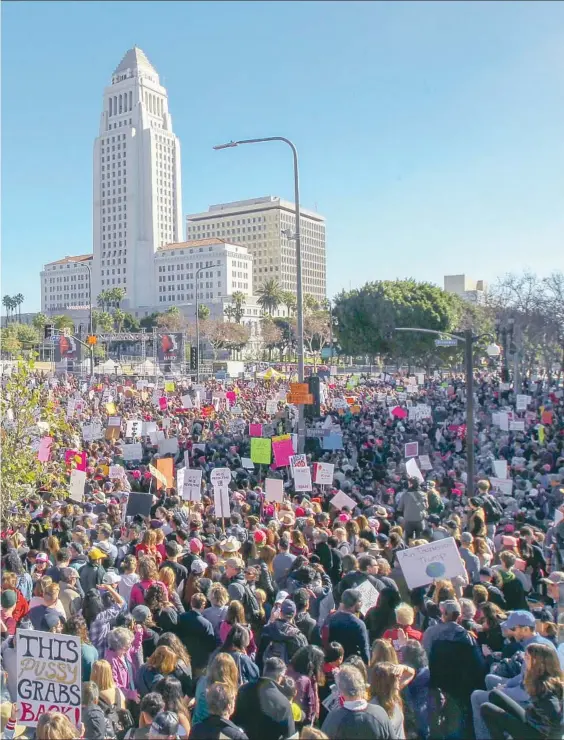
[(55, 726), (223, 669), (102, 675), (384, 687)]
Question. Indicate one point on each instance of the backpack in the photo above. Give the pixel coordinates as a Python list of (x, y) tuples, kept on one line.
[(118, 720), (279, 648), (250, 605), (492, 510)]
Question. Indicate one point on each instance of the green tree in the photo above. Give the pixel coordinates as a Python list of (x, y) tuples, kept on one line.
[(62, 321), (8, 303), (18, 300), (272, 335), (150, 321), (269, 296), (102, 322), (27, 335), (229, 311), (172, 320), (118, 318), (9, 342), (311, 304), (238, 300), (288, 299), (22, 405), (40, 321), (203, 312), (103, 299), (130, 323)]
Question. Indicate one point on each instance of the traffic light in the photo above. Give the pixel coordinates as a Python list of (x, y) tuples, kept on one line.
[(48, 331), (91, 339), (313, 410), (193, 358)]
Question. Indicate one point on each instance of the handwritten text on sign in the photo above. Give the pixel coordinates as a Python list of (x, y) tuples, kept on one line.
[(49, 678)]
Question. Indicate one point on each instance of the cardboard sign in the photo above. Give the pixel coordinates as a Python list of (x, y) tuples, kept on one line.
[(421, 565), (323, 473), (133, 451), (521, 402), (425, 462), (274, 490), (500, 468), (139, 503), (412, 470), (77, 483), (504, 485), (133, 428), (340, 500), (168, 446), (368, 596), (112, 433), (48, 676), (192, 489), (298, 461), (169, 386), (516, 426), (271, 406), (247, 463), (165, 466), (260, 450), (255, 430), (186, 401), (283, 450), (116, 471), (92, 432), (412, 449), (148, 428), (302, 479), (220, 477), (114, 421)]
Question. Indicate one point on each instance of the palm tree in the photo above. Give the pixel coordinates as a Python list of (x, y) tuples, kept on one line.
[(203, 312), (103, 299), (238, 300), (63, 322), (18, 300), (117, 294), (119, 317), (270, 296), (229, 311), (289, 300), (39, 321), (311, 304), (7, 303)]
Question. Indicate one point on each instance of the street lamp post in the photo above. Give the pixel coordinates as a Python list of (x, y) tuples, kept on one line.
[(198, 271), (469, 340), (90, 323), (299, 292)]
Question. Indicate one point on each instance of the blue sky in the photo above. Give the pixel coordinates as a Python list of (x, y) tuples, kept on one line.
[(430, 134)]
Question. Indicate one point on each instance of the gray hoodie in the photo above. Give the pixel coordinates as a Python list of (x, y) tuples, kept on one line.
[(413, 506)]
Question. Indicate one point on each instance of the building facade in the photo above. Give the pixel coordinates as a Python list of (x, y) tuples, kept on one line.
[(65, 285), (137, 181), (266, 226), (473, 291)]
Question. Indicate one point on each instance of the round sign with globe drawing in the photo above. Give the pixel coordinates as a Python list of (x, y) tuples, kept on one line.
[(435, 570)]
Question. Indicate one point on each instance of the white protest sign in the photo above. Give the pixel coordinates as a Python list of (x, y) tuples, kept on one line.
[(186, 401), (333, 370), (340, 500), (302, 479), (504, 422), (48, 676), (368, 596), (274, 490), (236, 410), (180, 480), (167, 446), (505, 485), (166, 422), (114, 421), (247, 463), (521, 402), (420, 378), (148, 428), (516, 426), (77, 482), (221, 501), (297, 461), (425, 463), (271, 406), (192, 490), (500, 468), (133, 451), (220, 477), (133, 427), (324, 474), (412, 470), (402, 396), (156, 437), (559, 515), (421, 565), (91, 432), (70, 408), (116, 471)]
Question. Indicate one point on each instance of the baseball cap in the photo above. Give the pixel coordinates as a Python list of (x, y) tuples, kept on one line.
[(434, 519), (9, 599), (198, 567), (486, 572), (195, 545), (288, 608), (41, 557), (555, 577), (96, 554), (111, 577), (542, 614), (165, 723), (519, 618), (51, 619), (281, 596), (140, 613)]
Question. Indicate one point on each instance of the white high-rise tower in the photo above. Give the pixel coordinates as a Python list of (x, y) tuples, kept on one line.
[(137, 187)]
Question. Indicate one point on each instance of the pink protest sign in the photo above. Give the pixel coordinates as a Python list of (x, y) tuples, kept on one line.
[(283, 451), (44, 451), (163, 403), (255, 430), (79, 458), (231, 396)]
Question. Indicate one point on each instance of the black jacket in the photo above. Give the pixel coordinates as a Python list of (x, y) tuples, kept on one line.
[(94, 722), (353, 580), (213, 727), (280, 631), (196, 632), (263, 711)]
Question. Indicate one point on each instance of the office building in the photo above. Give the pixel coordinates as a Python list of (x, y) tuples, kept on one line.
[(137, 183), (473, 291), (65, 285), (265, 226)]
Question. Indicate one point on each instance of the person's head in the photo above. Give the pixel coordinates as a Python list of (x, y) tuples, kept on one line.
[(301, 600), (172, 641), (129, 564), (102, 675), (383, 651), (151, 704), (507, 560), (55, 726), (166, 576), (170, 689), (76, 625), (554, 583), (9, 600), (384, 686), (218, 595), (368, 564), (308, 661), (237, 639), (220, 698), (450, 610), (351, 600), (543, 673), (172, 549), (120, 640), (480, 595), (164, 726), (62, 557), (69, 576), (413, 654), (312, 733), (444, 591), (51, 594), (287, 610), (163, 660), (198, 602), (274, 668), (334, 653), (520, 624), (404, 615), (486, 575), (235, 613), (288, 688), (148, 570), (223, 669), (351, 684), (90, 693)]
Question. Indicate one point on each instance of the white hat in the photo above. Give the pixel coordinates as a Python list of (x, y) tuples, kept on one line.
[(231, 544), (111, 577)]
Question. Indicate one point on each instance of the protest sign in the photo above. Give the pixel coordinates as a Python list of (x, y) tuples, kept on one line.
[(48, 676), (77, 483), (368, 596), (521, 402), (220, 477), (505, 485), (298, 461), (503, 421), (412, 449), (133, 451), (111, 409), (412, 470), (114, 421), (255, 430), (44, 451), (92, 432), (332, 442), (133, 427), (247, 463), (500, 468), (186, 401), (192, 490), (163, 403), (76, 459), (302, 479), (260, 450), (340, 500), (161, 478), (168, 446), (180, 480), (324, 473), (221, 501), (271, 406), (149, 427), (516, 426), (274, 490), (425, 563), (425, 462), (165, 466), (283, 449), (169, 386), (116, 471), (139, 503), (420, 377)]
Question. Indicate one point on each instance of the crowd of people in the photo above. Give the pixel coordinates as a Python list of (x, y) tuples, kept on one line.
[(255, 625)]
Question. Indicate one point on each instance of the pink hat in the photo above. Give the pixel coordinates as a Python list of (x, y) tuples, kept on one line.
[(546, 468), (456, 492), (41, 557), (195, 545), (259, 537), (509, 541), (136, 474), (344, 517), (300, 511), (509, 528)]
